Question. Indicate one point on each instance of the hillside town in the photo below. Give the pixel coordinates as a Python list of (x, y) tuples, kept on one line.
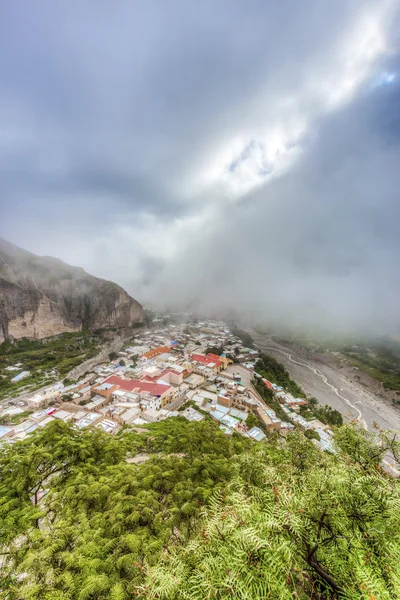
[(168, 372)]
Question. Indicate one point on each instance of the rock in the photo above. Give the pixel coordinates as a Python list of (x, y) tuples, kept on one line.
[(41, 296)]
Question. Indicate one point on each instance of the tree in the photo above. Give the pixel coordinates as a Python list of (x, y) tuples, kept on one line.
[(79, 522), (112, 356), (311, 434), (215, 350), (276, 520), (274, 371), (252, 421), (294, 522), (122, 362)]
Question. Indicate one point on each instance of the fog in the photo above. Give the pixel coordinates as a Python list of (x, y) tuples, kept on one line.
[(224, 157)]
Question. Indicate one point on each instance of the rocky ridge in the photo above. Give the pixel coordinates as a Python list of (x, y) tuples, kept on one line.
[(41, 296)]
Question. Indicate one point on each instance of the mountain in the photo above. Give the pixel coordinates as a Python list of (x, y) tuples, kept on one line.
[(42, 296)]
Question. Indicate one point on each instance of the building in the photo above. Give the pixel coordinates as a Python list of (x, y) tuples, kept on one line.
[(221, 359), (37, 401), (172, 375), (194, 380), (20, 376), (105, 389), (269, 418), (5, 432), (162, 391), (152, 416), (214, 364), (256, 434), (156, 352)]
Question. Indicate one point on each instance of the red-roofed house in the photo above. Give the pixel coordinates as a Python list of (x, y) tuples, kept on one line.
[(141, 386), (222, 359), (212, 363), (156, 352)]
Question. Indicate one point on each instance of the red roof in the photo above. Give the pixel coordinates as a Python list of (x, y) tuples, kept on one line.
[(206, 360), (138, 385), (214, 357), (267, 383)]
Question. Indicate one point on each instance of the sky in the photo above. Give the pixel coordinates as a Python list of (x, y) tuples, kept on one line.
[(238, 156)]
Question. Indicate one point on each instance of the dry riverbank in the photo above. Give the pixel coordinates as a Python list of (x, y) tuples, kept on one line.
[(333, 383)]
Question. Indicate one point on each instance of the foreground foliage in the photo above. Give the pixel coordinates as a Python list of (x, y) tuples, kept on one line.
[(205, 516)]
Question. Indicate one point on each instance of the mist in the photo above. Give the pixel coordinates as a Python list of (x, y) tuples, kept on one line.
[(230, 158)]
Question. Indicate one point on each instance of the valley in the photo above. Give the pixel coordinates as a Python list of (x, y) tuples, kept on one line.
[(333, 382)]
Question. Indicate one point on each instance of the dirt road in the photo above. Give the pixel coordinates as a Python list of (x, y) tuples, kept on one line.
[(246, 379), (114, 345)]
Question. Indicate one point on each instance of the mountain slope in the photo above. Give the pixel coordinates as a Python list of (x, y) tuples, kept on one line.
[(42, 296)]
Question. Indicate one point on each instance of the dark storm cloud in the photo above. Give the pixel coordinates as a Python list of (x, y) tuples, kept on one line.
[(319, 246), (177, 147)]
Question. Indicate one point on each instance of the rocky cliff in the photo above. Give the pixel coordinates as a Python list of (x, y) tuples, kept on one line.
[(42, 296)]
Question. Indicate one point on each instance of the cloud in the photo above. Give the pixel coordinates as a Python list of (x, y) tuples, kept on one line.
[(239, 156)]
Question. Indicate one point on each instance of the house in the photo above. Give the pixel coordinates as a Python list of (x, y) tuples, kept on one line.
[(214, 364), (256, 434), (156, 352), (151, 415), (171, 375), (5, 432), (37, 401), (21, 375), (225, 398), (269, 418), (62, 415), (160, 390), (129, 415), (194, 380), (222, 359), (104, 389)]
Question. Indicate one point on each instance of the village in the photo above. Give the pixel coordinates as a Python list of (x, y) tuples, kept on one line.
[(168, 372)]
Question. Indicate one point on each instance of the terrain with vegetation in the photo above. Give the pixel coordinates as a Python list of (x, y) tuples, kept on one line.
[(41, 296), (47, 360), (379, 357), (206, 516), (269, 368), (328, 372)]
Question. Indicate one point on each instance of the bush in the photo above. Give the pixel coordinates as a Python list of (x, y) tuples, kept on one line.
[(311, 434), (252, 421)]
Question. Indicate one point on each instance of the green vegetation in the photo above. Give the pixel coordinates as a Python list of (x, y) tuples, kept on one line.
[(215, 350), (112, 356), (270, 399), (274, 371), (311, 434), (326, 414), (207, 516), (15, 419), (245, 337), (379, 357), (252, 421), (57, 355)]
